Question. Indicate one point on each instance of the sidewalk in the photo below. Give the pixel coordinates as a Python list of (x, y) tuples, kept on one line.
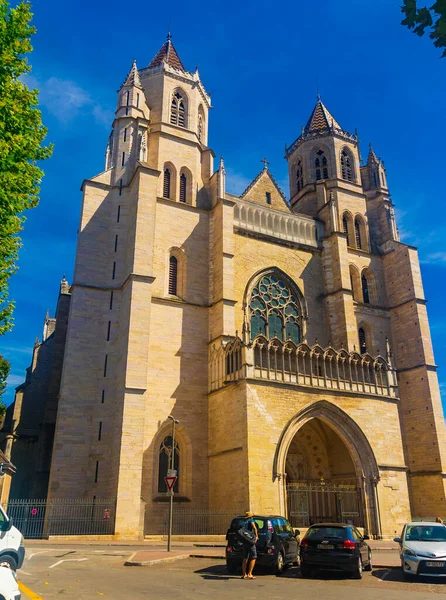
[(382, 558)]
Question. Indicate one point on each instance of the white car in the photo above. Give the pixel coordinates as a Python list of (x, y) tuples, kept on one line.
[(9, 589), (423, 549)]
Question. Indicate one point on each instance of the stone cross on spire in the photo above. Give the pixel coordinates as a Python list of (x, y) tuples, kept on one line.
[(265, 163)]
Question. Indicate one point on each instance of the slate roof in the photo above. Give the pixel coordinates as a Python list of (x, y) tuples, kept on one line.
[(321, 120), (168, 53)]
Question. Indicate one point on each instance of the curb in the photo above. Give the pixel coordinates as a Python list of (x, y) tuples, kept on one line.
[(149, 563)]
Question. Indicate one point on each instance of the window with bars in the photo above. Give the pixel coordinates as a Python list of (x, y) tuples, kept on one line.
[(362, 341), (365, 289), (183, 187), (173, 275), (358, 234), (166, 184), (321, 165), (178, 110), (346, 166), (299, 176)]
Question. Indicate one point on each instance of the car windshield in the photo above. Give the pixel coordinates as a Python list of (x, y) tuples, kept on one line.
[(262, 524), (317, 533), (425, 533)]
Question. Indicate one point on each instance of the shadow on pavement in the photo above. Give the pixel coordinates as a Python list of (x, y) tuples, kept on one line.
[(396, 575)]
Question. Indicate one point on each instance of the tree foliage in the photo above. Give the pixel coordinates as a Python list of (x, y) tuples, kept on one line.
[(432, 18), (21, 137)]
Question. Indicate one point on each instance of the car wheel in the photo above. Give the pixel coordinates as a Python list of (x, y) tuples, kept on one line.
[(280, 564), (369, 565), (7, 558), (357, 573), (232, 568)]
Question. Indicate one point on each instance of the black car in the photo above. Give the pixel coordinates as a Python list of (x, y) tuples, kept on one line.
[(277, 546), (335, 547)]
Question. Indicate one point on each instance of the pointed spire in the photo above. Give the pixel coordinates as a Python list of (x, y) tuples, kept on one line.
[(36, 343), (168, 54), (321, 119), (133, 78), (64, 287), (372, 158)]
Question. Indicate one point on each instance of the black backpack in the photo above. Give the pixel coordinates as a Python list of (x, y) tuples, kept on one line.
[(245, 535)]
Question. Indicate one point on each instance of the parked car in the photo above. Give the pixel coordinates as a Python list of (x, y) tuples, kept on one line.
[(423, 549), (12, 549), (9, 589), (335, 547), (277, 546)]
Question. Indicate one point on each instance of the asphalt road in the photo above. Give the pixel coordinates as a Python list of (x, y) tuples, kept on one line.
[(81, 573)]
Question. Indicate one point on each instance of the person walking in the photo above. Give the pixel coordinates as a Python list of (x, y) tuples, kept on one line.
[(249, 550), (438, 520)]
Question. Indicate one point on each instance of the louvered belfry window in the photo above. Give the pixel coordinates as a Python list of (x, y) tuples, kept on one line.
[(166, 186), (358, 234), (365, 290), (362, 341), (321, 165), (299, 176), (178, 110), (346, 166), (183, 187), (173, 275)]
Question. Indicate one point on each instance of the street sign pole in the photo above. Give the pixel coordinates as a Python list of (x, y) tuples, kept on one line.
[(172, 466)]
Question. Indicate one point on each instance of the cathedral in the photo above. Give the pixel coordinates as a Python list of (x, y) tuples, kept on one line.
[(289, 339)]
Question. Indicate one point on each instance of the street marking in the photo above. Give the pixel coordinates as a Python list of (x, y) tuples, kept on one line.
[(24, 572), (59, 562), (35, 554), (384, 576), (29, 593)]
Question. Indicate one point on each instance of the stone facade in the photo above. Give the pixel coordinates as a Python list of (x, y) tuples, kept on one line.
[(288, 338), (27, 434)]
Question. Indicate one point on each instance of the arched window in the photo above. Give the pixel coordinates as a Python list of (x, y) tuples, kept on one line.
[(200, 123), (173, 275), (166, 184), (321, 165), (355, 283), (183, 187), (275, 310), (346, 166), (178, 110), (299, 176), (358, 234), (165, 463), (362, 341), (365, 289), (347, 228)]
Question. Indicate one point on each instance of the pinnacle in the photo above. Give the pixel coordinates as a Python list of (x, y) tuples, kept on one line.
[(372, 158), (133, 78), (168, 54)]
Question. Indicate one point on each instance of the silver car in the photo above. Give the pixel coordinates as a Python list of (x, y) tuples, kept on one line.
[(423, 549)]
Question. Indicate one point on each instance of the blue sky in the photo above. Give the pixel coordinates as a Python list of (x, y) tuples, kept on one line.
[(262, 62)]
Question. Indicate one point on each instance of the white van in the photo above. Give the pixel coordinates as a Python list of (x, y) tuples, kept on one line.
[(12, 548), (9, 588)]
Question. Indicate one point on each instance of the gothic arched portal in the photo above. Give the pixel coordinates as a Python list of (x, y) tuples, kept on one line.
[(324, 460)]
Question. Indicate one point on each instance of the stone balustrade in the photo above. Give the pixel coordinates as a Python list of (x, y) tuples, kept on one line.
[(294, 228), (301, 365)]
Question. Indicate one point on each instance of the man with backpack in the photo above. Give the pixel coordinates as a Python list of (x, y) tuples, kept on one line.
[(249, 549)]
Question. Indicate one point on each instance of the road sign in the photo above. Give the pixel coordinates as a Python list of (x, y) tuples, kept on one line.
[(170, 482), (172, 472), (106, 513)]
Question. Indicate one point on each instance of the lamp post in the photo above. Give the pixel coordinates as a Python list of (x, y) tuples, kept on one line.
[(172, 466)]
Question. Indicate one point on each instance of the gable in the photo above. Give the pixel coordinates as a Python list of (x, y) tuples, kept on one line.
[(263, 184)]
